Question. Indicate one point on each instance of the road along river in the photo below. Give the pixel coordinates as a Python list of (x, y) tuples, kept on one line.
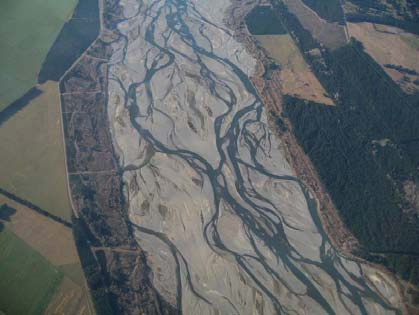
[(226, 226)]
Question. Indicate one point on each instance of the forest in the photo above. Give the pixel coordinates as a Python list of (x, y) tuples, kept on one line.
[(402, 14), (358, 148)]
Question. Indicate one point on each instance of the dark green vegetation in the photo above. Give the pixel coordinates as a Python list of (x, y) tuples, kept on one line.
[(364, 176), (263, 21), (28, 280), (75, 37), (19, 104), (401, 69), (330, 10), (95, 276), (400, 13), (5, 213)]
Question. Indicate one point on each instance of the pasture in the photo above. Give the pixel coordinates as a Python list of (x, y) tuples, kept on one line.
[(330, 10), (332, 35), (296, 77), (55, 243), (391, 46), (28, 29), (32, 163), (51, 239), (28, 281)]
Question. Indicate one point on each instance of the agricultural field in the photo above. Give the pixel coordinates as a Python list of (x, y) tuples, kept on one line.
[(54, 243), (28, 29), (32, 161), (332, 35), (262, 20), (296, 77), (28, 281), (330, 10), (75, 37), (51, 239), (70, 298), (399, 13), (395, 50)]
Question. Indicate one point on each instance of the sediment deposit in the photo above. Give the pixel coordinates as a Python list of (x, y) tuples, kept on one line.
[(226, 226)]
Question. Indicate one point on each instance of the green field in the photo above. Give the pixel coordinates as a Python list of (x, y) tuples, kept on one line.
[(32, 164), (28, 29), (27, 280)]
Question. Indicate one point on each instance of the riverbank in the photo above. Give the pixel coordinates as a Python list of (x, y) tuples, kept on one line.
[(269, 90), (114, 264)]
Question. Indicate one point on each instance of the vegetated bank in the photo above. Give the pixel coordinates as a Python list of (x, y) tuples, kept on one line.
[(114, 266), (359, 149)]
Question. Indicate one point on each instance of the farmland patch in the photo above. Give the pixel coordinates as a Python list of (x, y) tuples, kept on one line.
[(27, 30), (395, 50), (32, 160), (28, 281), (332, 35), (296, 77), (51, 239)]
